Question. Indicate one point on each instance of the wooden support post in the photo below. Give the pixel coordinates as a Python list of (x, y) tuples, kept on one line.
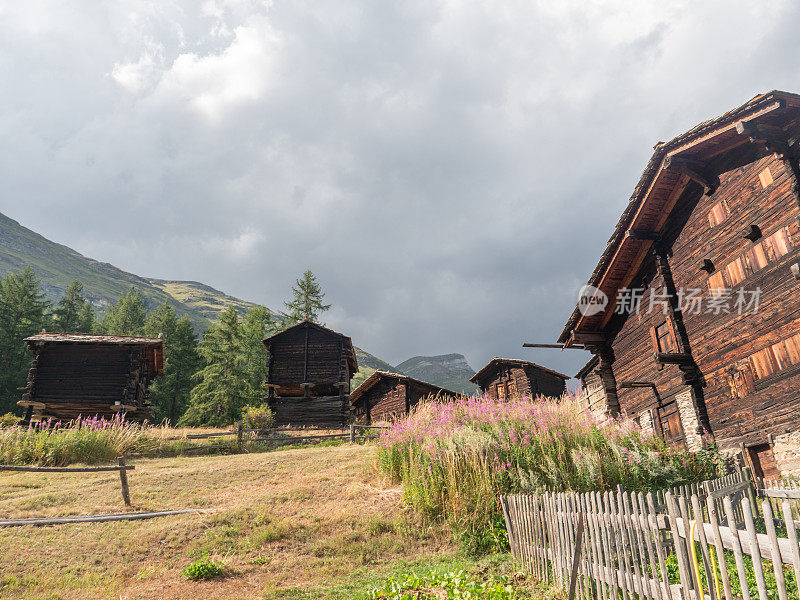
[(352, 433), (576, 557), (123, 477), (240, 432)]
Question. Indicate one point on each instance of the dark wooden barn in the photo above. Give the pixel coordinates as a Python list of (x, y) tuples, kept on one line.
[(386, 396), (91, 375), (701, 335), (505, 378), (308, 376)]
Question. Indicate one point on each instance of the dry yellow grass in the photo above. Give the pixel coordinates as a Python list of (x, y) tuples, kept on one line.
[(282, 521)]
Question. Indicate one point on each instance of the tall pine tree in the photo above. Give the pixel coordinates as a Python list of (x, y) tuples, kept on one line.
[(74, 313), (23, 312), (257, 325), (126, 317), (221, 388), (307, 302), (170, 393)]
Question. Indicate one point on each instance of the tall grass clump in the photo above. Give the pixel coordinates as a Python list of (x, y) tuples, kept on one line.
[(455, 459), (84, 440)]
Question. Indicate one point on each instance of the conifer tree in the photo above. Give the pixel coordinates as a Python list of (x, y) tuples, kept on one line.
[(221, 388), (170, 393), (74, 313), (23, 312), (307, 303), (126, 317), (257, 325)]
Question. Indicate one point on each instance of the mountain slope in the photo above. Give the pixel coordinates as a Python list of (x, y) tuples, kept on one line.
[(58, 266), (450, 371)]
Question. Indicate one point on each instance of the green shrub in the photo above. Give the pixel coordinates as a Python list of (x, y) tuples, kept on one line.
[(9, 420), (203, 568), (452, 584), (261, 417)]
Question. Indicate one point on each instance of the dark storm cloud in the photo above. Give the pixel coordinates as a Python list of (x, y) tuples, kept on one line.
[(451, 171)]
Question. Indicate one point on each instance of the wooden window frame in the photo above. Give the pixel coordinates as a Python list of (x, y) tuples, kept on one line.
[(671, 334)]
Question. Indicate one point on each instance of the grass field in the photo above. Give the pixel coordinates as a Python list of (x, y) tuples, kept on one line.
[(302, 523)]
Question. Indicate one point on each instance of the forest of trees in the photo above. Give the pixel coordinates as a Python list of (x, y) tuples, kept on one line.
[(207, 381)]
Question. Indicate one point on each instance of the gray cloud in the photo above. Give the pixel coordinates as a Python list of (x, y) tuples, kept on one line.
[(451, 171)]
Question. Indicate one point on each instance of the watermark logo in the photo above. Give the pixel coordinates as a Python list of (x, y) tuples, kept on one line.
[(591, 300), (691, 301)]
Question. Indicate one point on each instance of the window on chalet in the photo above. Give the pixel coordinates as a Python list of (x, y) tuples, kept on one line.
[(718, 213), (762, 253), (760, 365), (776, 357), (501, 391), (663, 338), (765, 177), (512, 388)]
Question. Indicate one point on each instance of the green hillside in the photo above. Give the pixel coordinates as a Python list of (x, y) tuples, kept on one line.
[(58, 266)]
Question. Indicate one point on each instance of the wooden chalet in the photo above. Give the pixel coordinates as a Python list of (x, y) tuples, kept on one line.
[(714, 214), (386, 396), (505, 378), (91, 375), (308, 376)]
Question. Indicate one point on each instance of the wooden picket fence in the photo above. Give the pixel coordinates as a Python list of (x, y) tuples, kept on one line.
[(628, 545)]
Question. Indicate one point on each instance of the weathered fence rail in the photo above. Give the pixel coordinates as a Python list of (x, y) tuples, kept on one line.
[(120, 466), (266, 435), (666, 546)]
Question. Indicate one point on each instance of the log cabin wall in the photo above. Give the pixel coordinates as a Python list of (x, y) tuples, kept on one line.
[(68, 380), (543, 383), (750, 362), (309, 368), (512, 378), (387, 396), (592, 391), (383, 402)]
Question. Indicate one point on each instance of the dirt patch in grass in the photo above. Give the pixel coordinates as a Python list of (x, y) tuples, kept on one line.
[(283, 522)]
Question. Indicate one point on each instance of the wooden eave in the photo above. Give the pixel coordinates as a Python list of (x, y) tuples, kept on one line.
[(658, 190)]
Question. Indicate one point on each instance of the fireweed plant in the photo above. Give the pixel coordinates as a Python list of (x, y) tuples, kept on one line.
[(455, 459)]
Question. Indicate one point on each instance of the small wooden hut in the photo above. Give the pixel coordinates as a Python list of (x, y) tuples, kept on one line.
[(505, 378), (385, 396), (77, 374), (308, 375)]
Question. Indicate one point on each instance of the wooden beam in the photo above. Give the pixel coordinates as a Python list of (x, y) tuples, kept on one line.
[(582, 337), (556, 346), (773, 138), (694, 170), (639, 234)]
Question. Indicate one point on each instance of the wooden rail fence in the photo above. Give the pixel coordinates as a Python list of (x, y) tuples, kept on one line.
[(670, 546), (263, 435), (120, 466)]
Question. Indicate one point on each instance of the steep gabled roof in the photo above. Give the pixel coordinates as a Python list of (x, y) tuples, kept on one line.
[(347, 342), (653, 197), (378, 376), (498, 362)]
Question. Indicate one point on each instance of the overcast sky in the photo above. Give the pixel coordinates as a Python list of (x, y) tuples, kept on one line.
[(451, 171)]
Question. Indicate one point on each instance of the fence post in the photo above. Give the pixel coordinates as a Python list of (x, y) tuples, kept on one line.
[(352, 433), (240, 432), (576, 557), (123, 477)]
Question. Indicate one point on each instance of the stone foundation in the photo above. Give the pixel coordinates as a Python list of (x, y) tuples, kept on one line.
[(786, 448), (694, 441)]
